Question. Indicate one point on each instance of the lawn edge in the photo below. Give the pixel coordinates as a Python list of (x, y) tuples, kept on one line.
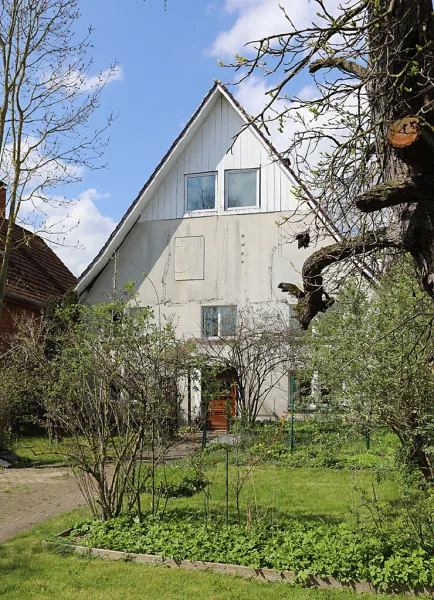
[(260, 574)]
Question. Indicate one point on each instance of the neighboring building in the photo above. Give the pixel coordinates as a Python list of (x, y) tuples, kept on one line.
[(203, 229), (35, 274)]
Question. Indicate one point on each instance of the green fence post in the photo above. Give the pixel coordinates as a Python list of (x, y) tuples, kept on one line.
[(368, 439), (292, 403)]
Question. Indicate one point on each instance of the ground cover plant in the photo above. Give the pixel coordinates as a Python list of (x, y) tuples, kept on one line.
[(322, 442), (308, 520), (304, 547), (30, 572)]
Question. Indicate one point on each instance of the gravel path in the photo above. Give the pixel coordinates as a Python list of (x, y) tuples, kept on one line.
[(29, 496)]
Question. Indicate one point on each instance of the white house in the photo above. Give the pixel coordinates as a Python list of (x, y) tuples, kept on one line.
[(201, 238)]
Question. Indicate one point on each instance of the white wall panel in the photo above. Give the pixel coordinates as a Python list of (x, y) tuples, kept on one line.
[(208, 151)]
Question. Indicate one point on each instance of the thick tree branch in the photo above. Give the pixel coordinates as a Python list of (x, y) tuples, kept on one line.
[(408, 189), (294, 290), (314, 298), (413, 142), (347, 66)]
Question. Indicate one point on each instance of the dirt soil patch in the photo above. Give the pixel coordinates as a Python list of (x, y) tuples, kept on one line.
[(29, 496)]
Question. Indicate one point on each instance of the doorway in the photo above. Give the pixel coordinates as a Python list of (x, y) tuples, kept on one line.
[(222, 400)]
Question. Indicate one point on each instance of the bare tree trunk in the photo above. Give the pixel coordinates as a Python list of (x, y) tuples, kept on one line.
[(397, 93)]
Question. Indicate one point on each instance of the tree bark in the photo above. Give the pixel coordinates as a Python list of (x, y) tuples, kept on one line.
[(402, 108), (313, 299), (397, 191), (336, 62)]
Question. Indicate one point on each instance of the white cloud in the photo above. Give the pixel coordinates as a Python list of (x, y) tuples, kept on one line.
[(115, 73), (308, 92), (80, 228), (256, 19)]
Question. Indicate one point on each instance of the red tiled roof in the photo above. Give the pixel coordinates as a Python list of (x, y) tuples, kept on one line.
[(35, 272)]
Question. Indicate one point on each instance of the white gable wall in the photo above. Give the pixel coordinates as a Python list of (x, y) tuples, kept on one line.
[(208, 151)]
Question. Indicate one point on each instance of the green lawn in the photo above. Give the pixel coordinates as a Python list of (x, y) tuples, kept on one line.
[(28, 572), (36, 450), (327, 494)]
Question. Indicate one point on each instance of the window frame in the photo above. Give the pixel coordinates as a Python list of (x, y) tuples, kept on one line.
[(219, 321), (188, 176), (256, 170)]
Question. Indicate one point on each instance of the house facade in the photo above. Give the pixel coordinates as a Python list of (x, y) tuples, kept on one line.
[(35, 273), (201, 240)]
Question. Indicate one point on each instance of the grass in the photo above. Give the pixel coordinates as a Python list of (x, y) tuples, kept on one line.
[(29, 572), (36, 451), (274, 492), (320, 494)]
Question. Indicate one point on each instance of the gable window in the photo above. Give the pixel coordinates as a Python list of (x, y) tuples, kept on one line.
[(201, 191), (242, 188), (219, 321)]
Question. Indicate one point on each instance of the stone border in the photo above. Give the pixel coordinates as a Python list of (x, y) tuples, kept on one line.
[(263, 574)]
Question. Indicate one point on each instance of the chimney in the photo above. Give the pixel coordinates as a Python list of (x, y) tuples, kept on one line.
[(2, 201)]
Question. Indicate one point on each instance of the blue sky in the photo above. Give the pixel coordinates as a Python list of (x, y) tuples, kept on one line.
[(167, 60)]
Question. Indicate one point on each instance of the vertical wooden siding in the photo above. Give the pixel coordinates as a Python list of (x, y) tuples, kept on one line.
[(208, 151)]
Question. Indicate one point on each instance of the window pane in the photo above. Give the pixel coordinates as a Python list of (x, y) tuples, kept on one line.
[(201, 192), (228, 320), (209, 321), (219, 321), (241, 188)]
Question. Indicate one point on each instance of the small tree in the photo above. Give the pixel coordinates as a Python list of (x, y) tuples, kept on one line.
[(108, 383), (264, 346), (375, 351), (19, 381)]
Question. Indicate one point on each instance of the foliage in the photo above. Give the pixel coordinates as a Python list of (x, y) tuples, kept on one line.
[(320, 441), (17, 390), (318, 548), (107, 378), (178, 480), (375, 351), (30, 572)]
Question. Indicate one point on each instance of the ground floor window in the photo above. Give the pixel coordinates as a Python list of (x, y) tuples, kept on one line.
[(219, 321)]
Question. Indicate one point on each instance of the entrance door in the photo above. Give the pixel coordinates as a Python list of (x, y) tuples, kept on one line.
[(224, 403)]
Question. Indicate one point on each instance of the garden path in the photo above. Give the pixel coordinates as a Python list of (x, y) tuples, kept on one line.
[(31, 495)]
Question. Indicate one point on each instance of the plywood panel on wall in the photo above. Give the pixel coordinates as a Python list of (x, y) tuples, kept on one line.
[(189, 258)]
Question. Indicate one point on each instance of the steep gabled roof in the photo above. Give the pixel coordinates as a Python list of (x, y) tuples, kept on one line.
[(35, 272), (133, 213)]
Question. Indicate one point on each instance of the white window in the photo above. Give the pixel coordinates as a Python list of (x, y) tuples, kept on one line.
[(242, 188), (219, 321), (200, 191)]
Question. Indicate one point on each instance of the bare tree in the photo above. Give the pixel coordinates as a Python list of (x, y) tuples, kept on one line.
[(47, 100), (260, 350), (105, 377), (363, 151)]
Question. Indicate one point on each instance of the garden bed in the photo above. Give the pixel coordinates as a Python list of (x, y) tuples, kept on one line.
[(259, 574), (313, 553)]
